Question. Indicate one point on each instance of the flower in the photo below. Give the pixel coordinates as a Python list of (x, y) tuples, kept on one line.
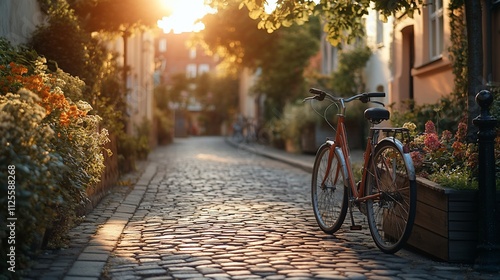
[(418, 159), (410, 126), (458, 149), (431, 142), (437, 157), (446, 136), (461, 132), (430, 127)]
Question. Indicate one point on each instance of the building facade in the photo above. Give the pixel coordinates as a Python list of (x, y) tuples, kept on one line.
[(139, 79), (422, 70), (174, 55), (378, 38), (18, 20)]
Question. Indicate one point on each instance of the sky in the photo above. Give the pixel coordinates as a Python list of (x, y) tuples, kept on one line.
[(184, 14)]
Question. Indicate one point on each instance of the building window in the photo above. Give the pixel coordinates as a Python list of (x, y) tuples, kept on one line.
[(203, 68), (436, 29), (329, 58), (380, 30), (192, 53), (162, 45), (191, 70)]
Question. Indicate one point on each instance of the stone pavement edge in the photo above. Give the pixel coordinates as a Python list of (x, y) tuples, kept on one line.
[(93, 240)]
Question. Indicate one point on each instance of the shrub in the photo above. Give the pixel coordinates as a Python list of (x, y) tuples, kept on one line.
[(164, 126), (55, 146), (445, 114), (143, 132), (347, 80), (26, 144), (292, 123)]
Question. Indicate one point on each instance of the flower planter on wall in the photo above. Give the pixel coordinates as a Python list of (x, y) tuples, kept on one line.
[(446, 224)]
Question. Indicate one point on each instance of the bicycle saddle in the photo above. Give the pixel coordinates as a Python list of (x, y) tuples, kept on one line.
[(377, 115)]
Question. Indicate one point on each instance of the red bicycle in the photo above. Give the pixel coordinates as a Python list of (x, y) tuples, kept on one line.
[(387, 192)]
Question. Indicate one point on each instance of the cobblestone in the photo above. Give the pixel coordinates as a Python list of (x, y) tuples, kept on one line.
[(202, 209)]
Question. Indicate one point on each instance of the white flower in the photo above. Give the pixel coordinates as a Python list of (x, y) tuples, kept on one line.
[(84, 106)]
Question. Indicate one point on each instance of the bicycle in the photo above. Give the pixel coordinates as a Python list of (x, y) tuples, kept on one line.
[(387, 191)]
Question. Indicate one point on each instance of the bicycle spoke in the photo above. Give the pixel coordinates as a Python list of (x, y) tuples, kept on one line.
[(329, 198), (391, 216)]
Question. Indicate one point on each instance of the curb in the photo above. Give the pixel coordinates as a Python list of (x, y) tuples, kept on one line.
[(93, 259), (269, 153)]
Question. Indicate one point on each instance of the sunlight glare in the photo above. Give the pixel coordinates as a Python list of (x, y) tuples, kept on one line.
[(183, 16), (270, 6)]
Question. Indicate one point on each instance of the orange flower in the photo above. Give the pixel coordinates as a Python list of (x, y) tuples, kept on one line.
[(18, 69), (64, 119), (459, 149)]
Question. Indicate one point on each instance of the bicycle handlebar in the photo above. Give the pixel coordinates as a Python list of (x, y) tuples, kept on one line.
[(319, 93), (363, 97)]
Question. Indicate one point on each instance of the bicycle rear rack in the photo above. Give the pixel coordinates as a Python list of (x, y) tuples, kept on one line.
[(400, 133)]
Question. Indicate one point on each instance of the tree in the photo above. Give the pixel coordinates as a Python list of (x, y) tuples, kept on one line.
[(231, 34), (280, 57), (343, 19), (347, 79), (218, 97), (68, 51), (119, 17), (343, 23), (283, 64)]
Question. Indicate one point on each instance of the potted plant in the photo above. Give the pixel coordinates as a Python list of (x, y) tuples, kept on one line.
[(294, 124), (446, 225)]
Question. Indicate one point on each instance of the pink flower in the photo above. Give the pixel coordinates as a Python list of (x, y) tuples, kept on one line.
[(461, 132), (446, 136), (431, 141), (430, 127), (418, 159), (459, 149)]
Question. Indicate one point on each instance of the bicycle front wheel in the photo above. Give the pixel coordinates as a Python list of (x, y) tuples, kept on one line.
[(329, 199), (391, 216)]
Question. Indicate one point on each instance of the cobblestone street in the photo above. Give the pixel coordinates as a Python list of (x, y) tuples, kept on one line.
[(203, 209), (213, 211)]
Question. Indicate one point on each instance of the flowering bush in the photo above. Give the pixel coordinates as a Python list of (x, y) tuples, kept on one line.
[(55, 146), (26, 145), (78, 138), (446, 159)]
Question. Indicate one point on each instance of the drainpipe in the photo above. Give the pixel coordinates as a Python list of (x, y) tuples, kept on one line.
[(488, 69)]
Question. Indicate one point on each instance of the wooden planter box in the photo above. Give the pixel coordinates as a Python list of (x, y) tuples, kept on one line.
[(446, 224)]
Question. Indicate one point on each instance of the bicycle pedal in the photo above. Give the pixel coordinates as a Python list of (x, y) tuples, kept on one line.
[(356, 227)]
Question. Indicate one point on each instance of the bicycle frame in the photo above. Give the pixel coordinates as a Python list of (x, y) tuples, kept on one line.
[(342, 143)]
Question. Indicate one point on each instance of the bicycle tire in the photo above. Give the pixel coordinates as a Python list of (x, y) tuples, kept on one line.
[(330, 201), (391, 217)]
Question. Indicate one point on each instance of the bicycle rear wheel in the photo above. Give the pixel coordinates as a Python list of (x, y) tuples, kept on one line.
[(329, 200), (390, 217)]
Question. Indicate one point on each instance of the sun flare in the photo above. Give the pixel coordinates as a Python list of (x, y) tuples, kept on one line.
[(183, 16)]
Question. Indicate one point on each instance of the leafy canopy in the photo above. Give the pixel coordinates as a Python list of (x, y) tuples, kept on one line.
[(342, 19), (234, 36), (119, 15), (279, 57)]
